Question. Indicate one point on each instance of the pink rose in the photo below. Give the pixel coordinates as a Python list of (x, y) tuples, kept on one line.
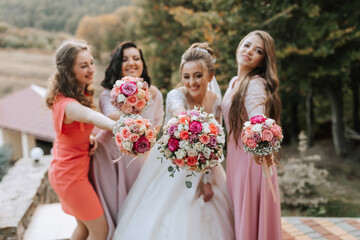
[(128, 121), (126, 109), (267, 136), (128, 88), (125, 133), (134, 137), (180, 162), (257, 119), (142, 145), (173, 144), (150, 134), (132, 100), (140, 104), (251, 143), (118, 138), (276, 130), (184, 135), (205, 139), (195, 127)]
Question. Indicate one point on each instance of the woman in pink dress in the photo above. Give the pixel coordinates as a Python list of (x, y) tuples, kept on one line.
[(252, 92), (112, 181)]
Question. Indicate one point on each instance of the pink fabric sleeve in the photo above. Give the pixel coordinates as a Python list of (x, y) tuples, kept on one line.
[(255, 97), (58, 111), (158, 101), (104, 102)]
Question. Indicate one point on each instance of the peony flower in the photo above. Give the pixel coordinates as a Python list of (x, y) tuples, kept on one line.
[(128, 88), (184, 135), (251, 143), (140, 104), (179, 162), (132, 100), (125, 133), (195, 127), (267, 135), (142, 145), (257, 119), (150, 134), (205, 139), (191, 161), (173, 144)]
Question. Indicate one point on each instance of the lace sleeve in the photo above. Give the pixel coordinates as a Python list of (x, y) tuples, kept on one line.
[(175, 102), (255, 97)]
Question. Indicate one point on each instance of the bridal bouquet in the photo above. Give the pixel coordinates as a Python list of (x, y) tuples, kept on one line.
[(130, 95), (261, 137), (134, 135), (193, 141)]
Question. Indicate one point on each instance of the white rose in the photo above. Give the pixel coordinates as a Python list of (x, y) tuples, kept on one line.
[(173, 121), (139, 84), (183, 144), (180, 127), (269, 122), (177, 134), (194, 118), (165, 139), (257, 128), (121, 98), (142, 129), (213, 120), (220, 139), (247, 124), (180, 154), (207, 152), (192, 152), (186, 127), (118, 83), (198, 146), (205, 128), (127, 145)]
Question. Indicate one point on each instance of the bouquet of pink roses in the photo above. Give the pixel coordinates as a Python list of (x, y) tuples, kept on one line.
[(130, 95), (261, 137), (134, 135), (194, 141)]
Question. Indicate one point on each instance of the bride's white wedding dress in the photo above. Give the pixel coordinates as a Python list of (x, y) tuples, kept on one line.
[(161, 207)]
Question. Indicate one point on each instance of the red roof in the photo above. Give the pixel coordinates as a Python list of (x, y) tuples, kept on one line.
[(26, 111)]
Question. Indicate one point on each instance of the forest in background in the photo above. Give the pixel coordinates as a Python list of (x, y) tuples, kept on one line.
[(318, 53)]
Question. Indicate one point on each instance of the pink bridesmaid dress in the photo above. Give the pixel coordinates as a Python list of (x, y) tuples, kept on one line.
[(112, 181), (256, 215)]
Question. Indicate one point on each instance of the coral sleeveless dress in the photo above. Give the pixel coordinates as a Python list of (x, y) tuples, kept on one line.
[(68, 173)]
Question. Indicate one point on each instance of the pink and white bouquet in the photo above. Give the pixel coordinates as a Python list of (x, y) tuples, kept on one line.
[(261, 136), (130, 95), (134, 135), (193, 141)]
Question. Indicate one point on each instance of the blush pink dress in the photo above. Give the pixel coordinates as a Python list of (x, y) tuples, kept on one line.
[(112, 181), (256, 215)]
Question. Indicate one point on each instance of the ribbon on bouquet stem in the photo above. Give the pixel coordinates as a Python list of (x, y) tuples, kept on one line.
[(265, 168)]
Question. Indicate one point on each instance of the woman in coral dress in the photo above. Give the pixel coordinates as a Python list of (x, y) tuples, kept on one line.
[(252, 92), (113, 181), (71, 99), (159, 207)]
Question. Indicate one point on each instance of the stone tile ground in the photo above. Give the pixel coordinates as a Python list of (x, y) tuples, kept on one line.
[(50, 223)]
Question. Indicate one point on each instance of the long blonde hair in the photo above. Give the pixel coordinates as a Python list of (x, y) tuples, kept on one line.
[(266, 70), (64, 81)]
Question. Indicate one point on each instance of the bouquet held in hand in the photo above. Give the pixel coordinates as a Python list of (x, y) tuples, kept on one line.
[(130, 95), (193, 141), (134, 135), (261, 137)]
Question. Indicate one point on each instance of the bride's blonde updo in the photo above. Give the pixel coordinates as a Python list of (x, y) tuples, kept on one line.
[(199, 51)]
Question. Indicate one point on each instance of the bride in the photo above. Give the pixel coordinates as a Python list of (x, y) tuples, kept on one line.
[(160, 207)]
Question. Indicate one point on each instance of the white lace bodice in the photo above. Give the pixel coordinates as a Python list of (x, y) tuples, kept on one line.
[(176, 100)]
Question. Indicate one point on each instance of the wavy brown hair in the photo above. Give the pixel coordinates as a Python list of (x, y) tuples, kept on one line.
[(266, 70), (64, 81)]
